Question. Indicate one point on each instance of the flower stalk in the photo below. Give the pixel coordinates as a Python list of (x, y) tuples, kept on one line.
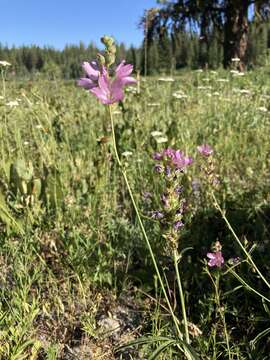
[(181, 293), (142, 226), (216, 204)]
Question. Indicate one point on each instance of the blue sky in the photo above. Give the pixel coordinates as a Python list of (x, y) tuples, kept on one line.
[(58, 22)]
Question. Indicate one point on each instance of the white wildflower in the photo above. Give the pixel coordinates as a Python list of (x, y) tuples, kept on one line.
[(156, 133), (131, 89), (127, 153), (12, 103), (262, 109), (153, 104), (178, 95), (204, 87), (161, 140), (245, 92), (236, 73), (166, 79), (222, 80), (4, 63)]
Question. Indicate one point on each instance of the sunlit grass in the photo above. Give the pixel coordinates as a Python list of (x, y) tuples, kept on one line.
[(71, 248)]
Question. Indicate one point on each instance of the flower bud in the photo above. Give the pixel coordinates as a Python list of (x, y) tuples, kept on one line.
[(107, 41), (101, 60), (109, 58)]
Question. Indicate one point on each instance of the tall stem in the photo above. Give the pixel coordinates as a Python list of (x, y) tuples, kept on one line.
[(222, 315), (181, 293), (142, 226), (238, 240), (220, 310), (3, 83)]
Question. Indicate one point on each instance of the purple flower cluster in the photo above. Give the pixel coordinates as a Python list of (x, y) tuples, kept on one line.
[(216, 259), (205, 150), (98, 82), (171, 164), (171, 159)]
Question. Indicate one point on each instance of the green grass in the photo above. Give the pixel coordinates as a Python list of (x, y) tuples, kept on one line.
[(71, 251)]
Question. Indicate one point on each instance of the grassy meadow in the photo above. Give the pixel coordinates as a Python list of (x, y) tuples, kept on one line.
[(76, 277)]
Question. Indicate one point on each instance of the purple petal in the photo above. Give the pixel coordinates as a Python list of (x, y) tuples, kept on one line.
[(123, 70), (91, 70), (117, 90), (100, 94), (212, 262), (86, 83), (188, 160), (211, 255), (104, 84), (205, 150), (157, 156), (128, 80)]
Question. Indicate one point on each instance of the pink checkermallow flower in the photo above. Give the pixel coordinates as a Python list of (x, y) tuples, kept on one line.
[(205, 150), (173, 158), (216, 259), (92, 74), (107, 90)]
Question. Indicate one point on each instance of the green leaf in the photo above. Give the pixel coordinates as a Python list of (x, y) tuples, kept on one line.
[(186, 348), (160, 349), (259, 337), (6, 216)]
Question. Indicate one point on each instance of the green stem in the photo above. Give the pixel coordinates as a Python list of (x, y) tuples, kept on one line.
[(181, 293), (222, 314), (3, 83), (142, 226), (250, 288), (238, 240)]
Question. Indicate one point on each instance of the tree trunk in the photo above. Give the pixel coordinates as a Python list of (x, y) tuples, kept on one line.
[(236, 32)]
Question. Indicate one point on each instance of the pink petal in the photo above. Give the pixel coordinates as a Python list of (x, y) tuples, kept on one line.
[(119, 67), (211, 255), (100, 94), (128, 80), (104, 83), (117, 90), (123, 70), (104, 71), (86, 83), (212, 262), (91, 70)]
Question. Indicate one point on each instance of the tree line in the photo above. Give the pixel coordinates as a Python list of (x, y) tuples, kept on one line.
[(173, 38), (226, 30)]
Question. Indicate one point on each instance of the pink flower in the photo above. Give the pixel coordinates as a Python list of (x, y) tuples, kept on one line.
[(107, 90), (216, 259), (205, 150), (180, 160), (123, 71), (174, 158), (92, 72)]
